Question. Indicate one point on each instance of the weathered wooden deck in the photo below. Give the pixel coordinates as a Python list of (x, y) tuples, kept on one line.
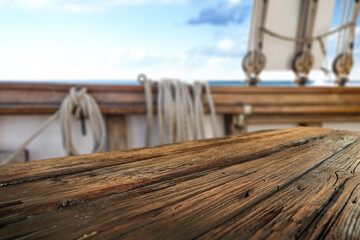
[(293, 183)]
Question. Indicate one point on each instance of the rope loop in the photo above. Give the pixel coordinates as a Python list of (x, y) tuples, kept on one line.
[(78, 102), (83, 104), (141, 78)]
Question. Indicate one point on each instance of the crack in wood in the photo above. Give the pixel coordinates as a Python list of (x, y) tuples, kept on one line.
[(330, 223), (279, 186)]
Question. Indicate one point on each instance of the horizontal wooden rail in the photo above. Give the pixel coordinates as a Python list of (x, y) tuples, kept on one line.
[(268, 104)]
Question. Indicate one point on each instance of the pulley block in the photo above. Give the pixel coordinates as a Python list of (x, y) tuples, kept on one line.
[(342, 64), (253, 63), (302, 65)]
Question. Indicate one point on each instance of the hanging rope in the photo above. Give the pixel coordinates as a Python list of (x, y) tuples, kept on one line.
[(190, 113), (179, 116), (169, 110), (83, 105), (214, 124), (149, 107), (199, 111)]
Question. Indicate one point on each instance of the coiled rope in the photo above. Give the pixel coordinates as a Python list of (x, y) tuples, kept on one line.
[(179, 116), (83, 105)]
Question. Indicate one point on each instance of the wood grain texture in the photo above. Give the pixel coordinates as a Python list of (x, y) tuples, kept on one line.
[(117, 132), (270, 104), (298, 183)]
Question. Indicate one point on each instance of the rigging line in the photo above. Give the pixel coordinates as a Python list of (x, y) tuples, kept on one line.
[(302, 40), (262, 23), (84, 105), (345, 37), (302, 18), (259, 33), (353, 28), (313, 6), (306, 23), (48, 122), (325, 67), (341, 23), (255, 23), (251, 29)]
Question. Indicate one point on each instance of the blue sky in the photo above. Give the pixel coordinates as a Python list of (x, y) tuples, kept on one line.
[(118, 39)]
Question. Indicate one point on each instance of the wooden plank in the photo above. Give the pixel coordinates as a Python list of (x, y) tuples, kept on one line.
[(287, 99), (294, 183), (15, 174), (11, 96), (303, 209), (126, 99), (49, 97), (117, 132), (314, 124), (301, 118)]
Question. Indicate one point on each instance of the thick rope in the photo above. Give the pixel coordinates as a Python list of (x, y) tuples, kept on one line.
[(214, 125), (179, 116), (149, 107), (180, 112), (160, 112), (190, 113), (82, 104), (170, 110), (199, 111)]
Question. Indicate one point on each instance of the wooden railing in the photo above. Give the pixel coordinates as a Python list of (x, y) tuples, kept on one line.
[(268, 104), (299, 105)]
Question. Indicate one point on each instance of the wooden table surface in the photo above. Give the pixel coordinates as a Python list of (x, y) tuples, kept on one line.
[(284, 184)]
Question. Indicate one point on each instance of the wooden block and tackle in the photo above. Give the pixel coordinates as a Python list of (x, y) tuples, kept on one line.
[(301, 183)]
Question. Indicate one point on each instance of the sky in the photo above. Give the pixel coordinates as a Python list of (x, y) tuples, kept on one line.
[(118, 39)]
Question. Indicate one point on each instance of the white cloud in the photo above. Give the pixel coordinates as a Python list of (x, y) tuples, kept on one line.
[(182, 58), (79, 5), (234, 1), (137, 54), (225, 45)]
